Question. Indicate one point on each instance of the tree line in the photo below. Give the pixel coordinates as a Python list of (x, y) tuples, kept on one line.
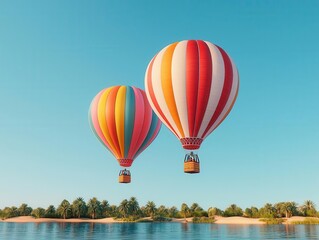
[(130, 210)]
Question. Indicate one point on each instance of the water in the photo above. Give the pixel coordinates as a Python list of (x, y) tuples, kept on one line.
[(153, 231)]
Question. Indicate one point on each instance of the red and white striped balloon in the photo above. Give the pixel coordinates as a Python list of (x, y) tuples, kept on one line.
[(192, 85)]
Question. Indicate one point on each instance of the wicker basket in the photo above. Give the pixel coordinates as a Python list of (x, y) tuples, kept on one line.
[(191, 167), (124, 179)]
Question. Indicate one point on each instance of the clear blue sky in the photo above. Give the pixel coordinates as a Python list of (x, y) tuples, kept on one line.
[(56, 55)]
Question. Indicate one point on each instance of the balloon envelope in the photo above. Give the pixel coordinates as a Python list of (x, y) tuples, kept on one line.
[(122, 119), (192, 85)]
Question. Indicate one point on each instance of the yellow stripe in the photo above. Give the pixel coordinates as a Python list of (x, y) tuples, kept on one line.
[(166, 76), (119, 116), (102, 120)]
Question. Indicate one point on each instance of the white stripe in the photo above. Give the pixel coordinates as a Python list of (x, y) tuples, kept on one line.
[(230, 100), (179, 83), (158, 91), (150, 99), (216, 86)]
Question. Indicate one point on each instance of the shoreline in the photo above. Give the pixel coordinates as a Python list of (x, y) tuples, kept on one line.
[(219, 220)]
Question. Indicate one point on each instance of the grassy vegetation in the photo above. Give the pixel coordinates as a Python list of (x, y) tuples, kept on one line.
[(272, 220), (203, 220), (307, 221)]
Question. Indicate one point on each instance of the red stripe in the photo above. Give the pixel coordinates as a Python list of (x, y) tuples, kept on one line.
[(228, 82), (205, 81), (110, 119), (192, 78), (152, 95)]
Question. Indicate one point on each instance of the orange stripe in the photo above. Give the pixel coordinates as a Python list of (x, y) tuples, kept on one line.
[(102, 120), (120, 116), (166, 77), (110, 118)]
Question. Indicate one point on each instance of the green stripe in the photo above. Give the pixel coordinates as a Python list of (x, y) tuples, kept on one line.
[(129, 117)]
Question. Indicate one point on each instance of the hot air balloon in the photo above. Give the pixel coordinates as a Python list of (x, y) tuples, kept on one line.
[(123, 121), (191, 85)]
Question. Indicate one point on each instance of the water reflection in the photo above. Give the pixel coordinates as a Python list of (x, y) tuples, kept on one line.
[(154, 231)]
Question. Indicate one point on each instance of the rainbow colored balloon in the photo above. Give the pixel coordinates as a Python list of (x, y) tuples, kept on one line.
[(122, 119), (192, 85)]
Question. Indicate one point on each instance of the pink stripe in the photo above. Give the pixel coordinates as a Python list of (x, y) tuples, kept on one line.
[(205, 81), (228, 82), (158, 127), (95, 120), (192, 78), (138, 121), (147, 122)]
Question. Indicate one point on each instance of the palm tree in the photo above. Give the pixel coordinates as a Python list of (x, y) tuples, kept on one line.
[(9, 212), (172, 212), (105, 208), (185, 210), (94, 207), (38, 212), (64, 208), (24, 210), (133, 206), (233, 210), (79, 207), (162, 211), (309, 208), (213, 211), (124, 208), (50, 212), (150, 208)]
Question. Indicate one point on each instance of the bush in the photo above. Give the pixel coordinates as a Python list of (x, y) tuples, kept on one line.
[(307, 220), (272, 220), (203, 220), (158, 218), (130, 219)]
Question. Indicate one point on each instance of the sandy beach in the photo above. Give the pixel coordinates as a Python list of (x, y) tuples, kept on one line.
[(219, 220)]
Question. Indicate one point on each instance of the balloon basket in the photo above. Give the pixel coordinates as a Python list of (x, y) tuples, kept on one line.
[(124, 179), (125, 176), (191, 167)]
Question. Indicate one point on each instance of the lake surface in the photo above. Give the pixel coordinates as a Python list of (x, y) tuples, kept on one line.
[(160, 231)]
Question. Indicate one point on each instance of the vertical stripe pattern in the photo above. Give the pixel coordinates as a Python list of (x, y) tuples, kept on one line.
[(123, 120), (192, 85)]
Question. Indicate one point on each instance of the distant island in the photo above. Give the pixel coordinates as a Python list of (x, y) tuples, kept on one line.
[(95, 211)]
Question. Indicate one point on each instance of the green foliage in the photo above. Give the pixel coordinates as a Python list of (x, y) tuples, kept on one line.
[(185, 211), (307, 221), (64, 209), (50, 212), (79, 208), (24, 210), (94, 207), (150, 209), (9, 212), (252, 212), (130, 219), (38, 212), (272, 220), (268, 211), (144, 220), (159, 218), (173, 212), (203, 220), (233, 210), (214, 212)]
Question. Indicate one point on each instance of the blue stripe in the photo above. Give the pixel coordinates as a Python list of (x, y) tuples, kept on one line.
[(129, 117), (150, 132)]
